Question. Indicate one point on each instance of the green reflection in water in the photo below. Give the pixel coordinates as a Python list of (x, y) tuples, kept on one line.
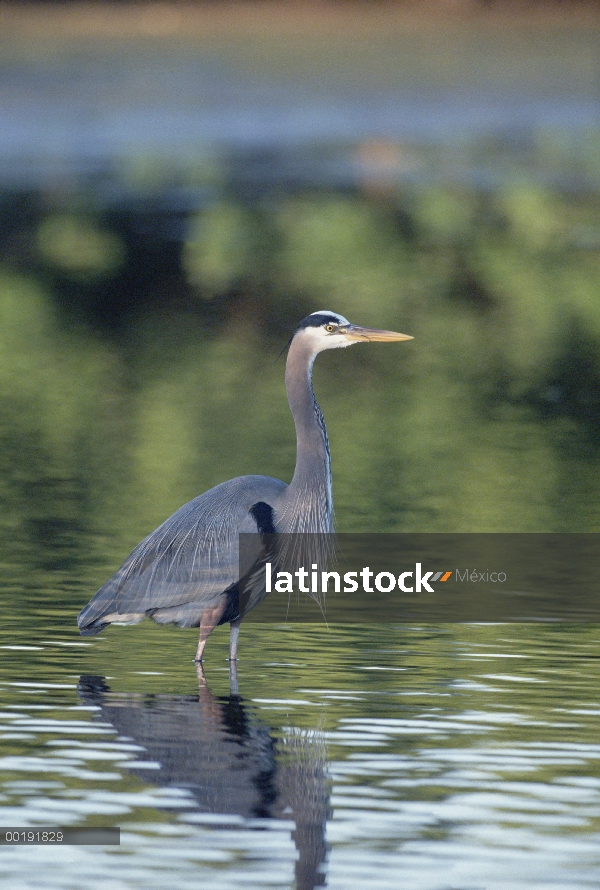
[(76, 245), (425, 713), (487, 421)]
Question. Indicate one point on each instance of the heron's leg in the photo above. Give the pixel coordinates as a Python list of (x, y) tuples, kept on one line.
[(233, 639), (200, 674), (208, 622), (233, 678)]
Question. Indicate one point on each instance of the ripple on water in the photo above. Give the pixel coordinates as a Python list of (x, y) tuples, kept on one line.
[(435, 778)]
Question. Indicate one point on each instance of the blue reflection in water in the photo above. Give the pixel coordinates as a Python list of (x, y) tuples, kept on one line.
[(217, 750)]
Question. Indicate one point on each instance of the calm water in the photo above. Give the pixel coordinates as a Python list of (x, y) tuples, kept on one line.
[(433, 757), (460, 757)]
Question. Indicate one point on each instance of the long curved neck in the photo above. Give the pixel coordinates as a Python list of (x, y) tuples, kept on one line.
[(312, 475)]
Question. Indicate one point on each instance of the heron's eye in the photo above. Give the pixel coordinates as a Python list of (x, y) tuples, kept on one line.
[(330, 328)]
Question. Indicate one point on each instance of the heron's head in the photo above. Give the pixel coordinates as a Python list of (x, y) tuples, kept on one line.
[(328, 330)]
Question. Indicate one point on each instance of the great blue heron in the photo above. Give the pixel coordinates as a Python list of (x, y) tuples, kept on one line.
[(187, 571)]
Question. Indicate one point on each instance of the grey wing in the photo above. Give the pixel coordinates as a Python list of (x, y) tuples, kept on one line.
[(187, 563)]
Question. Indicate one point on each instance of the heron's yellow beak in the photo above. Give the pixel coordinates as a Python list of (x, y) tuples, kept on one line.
[(355, 332)]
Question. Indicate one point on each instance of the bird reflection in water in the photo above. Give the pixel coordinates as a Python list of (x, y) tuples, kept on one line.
[(217, 749)]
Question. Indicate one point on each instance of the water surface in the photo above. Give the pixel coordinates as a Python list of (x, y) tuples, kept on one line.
[(456, 756)]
